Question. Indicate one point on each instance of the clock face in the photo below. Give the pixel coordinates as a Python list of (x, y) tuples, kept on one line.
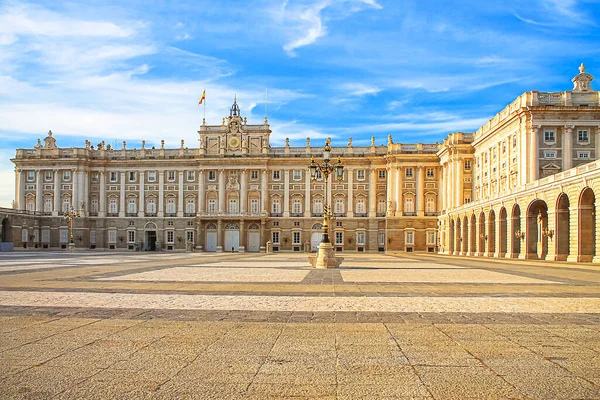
[(234, 141)]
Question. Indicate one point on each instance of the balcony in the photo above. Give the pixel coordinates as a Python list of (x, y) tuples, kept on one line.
[(317, 214), (276, 214), (297, 214), (431, 214), (361, 215), (150, 214), (339, 215), (112, 214), (93, 214), (170, 215), (409, 214), (189, 214), (380, 214), (47, 213), (132, 214)]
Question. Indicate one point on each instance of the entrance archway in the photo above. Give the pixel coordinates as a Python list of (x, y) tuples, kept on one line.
[(473, 236), (482, 236), (515, 228), (587, 225), (502, 232), (253, 238), (537, 223), (491, 234), (316, 236), (150, 236), (465, 236), (562, 227), (5, 230), (232, 238), (211, 238)]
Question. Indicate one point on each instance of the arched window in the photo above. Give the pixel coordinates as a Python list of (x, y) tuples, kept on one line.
[(276, 206), (339, 206), (409, 204), (430, 205)]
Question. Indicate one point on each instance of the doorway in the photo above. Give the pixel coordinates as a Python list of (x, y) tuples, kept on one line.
[(151, 240), (232, 238)]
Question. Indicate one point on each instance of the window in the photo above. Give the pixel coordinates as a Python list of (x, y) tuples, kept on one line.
[(583, 155), (431, 237), (95, 177), (170, 237), (360, 238), (112, 236), (430, 173), (296, 223), (113, 206), (48, 205), (514, 141), (169, 223), (170, 176), (67, 176), (151, 206), (190, 236), (131, 206), (360, 206), (410, 238), (549, 154), (409, 205), (253, 175), (467, 200), (549, 136), (339, 206), (409, 172), (381, 206), (338, 223), (381, 174), (276, 206), (151, 176), (297, 175), (130, 236), (190, 206), (254, 206), (131, 176), (233, 206), (381, 238), (275, 237), (66, 205), (339, 238), (94, 206), (171, 209), (360, 174), (317, 206), (113, 176), (48, 176), (212, 175), (276, 175), (46, 235), (430, 205), (297, 206), (296, 237), (319, 175), (64, 235), (275, 223), (212, 206), (30, 176), (30, 206), (467, 165), (582, 136)]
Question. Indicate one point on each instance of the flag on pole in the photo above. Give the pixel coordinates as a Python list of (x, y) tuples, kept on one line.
[(202, 98)]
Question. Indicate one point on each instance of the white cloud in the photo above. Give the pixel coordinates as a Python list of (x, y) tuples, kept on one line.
[(360, 89)]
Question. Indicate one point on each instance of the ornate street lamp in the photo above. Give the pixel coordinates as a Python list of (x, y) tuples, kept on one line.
[(70, 216), (325, 257)]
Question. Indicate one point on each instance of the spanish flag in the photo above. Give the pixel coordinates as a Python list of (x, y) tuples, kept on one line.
[(202, 98)]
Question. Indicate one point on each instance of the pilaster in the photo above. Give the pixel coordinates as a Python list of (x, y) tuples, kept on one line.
[(122, 204), (142, 199)]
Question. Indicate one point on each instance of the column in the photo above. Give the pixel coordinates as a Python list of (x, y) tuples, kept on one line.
[(38, 191), (551, 248), (102, 200), (390, 192), (201, 196), (263, 239), (74, 190), (242, 247), (420, 192), (161, 194), (263, 192), (399, 186), (459, 183), (142, 199), (597, 155), (180, 209), (534, 154), (286, 193), (350, 173), (440, 190), (329, 191), (222, 191), (122, 205), (567, 144), (57, 185), (372, 194), (86, 192), (18, 190), (449, 185), (219, 236), (243, 194), (307, 194)]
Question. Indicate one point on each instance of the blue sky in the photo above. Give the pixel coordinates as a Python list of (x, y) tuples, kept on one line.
[(416, 70)]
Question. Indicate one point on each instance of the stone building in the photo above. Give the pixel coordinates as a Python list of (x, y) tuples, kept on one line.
[(521, 186)]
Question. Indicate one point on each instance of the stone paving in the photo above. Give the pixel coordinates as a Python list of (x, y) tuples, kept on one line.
[(236, 326)]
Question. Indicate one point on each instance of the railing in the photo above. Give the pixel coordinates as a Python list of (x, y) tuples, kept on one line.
[(148, 214), (380, 214), (317, 214), (431, 214), (409, 214), (189, 214), (339, 214), (276, 214), (297, 214), (361, 215), (131, 214), (93, 214), (170, 214), (112, 214)]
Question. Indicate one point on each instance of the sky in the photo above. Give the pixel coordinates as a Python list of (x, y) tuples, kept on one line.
[(416, 70)]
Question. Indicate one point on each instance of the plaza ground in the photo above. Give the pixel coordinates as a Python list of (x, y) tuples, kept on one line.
[(229, 326)]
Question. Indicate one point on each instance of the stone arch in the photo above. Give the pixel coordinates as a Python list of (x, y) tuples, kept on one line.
[(502, 232), (562, 228), (537, 223), (465, 236), (457, 236), (451, 237), (473, 235), (317, 227), (253, 227), (211, 227), (515, 229), (491, 233), (232, 227), (150, 226), (587, 225), (481, 243), (5, 230)]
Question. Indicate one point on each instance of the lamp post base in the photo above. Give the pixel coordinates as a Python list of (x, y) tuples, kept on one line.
[(71, 248), (325, 257)]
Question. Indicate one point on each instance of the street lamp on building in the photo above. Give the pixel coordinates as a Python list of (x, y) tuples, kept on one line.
[(70, 216), (325, 257)]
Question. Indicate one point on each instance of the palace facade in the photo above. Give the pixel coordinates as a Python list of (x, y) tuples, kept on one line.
[(523, 185)]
